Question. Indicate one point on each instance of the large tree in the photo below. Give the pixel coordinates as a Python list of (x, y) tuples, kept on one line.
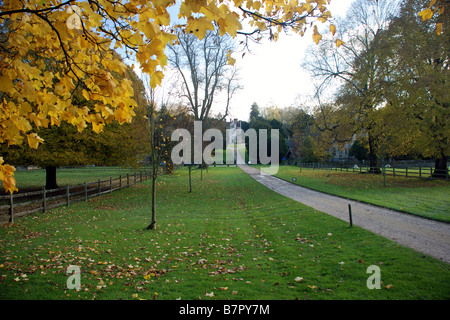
[(124, 145), (360, 72), (204, 70), (416, 117)]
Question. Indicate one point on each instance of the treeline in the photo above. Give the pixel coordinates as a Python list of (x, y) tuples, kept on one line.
[(388, 83)]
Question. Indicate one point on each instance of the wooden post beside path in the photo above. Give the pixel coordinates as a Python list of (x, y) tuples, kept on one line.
[(350, 214)]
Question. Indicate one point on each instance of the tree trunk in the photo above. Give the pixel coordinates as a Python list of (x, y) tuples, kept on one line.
[(440, 167), (152, 225), (155, 164), (373, 161), (50, 178)]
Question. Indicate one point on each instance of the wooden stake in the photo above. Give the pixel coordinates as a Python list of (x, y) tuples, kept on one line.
[(350, 214)]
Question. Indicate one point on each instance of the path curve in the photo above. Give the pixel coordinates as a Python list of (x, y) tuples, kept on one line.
[(424, 235)]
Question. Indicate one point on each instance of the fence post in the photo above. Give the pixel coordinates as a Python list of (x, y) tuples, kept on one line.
[(140, 175), (67, 194), (393, 171), (44, 198), (128, 180), (99, 187), (110, 184), (120, 182), (420, 172), (85, 191), (11, 207)]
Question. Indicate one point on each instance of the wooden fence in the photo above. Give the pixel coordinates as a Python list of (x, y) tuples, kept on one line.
[(22, 204), (421, 172)]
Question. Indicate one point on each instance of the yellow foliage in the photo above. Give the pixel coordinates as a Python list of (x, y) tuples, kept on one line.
[(435, 7), (316, 35), (339, 43)]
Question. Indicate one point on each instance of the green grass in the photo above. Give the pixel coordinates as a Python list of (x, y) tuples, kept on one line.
[(426, 198), (35, 179), (222, 154), (231, 237)]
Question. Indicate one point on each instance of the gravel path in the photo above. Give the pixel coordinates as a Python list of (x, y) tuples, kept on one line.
[(424, 235)]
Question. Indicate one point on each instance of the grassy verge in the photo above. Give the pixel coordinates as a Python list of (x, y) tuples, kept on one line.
[(35, 179), (231, 238), (427, 198)]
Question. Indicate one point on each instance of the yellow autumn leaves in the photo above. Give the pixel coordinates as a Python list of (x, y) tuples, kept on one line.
[(7, 176), (435, 7)]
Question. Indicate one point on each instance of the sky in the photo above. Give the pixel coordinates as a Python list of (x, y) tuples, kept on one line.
[(271, 74)]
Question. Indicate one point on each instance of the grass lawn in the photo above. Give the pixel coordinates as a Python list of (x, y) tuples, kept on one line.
[(231, 238), (427, 198), (35, 179)]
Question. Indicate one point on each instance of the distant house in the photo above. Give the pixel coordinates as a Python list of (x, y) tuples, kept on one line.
[(233, 126), (342, 153), (290, 156)]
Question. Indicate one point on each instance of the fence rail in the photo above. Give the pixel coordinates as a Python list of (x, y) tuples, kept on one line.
[(421, 172), (23, 204)]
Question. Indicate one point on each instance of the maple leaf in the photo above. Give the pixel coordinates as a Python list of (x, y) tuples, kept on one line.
[(156, 78), (332, 29), (316, 35), (230, 24), (199, 26), (231, 61), (150, 29), (426, 14), (34, 140), (339, 43)]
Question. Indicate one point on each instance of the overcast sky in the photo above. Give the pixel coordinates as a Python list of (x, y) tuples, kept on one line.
[(272, 75)]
